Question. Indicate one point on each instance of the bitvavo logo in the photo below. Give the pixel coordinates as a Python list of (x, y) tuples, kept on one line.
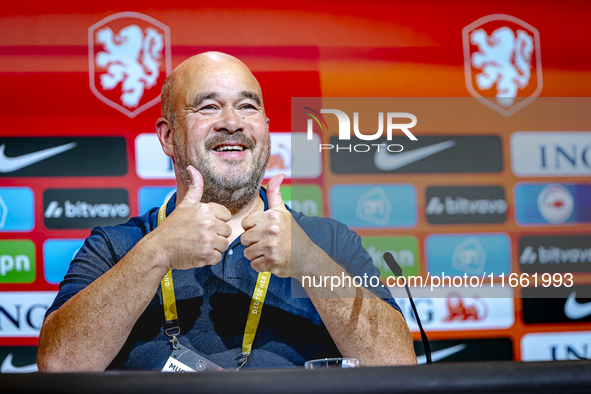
[(345, 129)]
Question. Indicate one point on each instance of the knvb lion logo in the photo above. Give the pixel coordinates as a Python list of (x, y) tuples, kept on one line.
[(502, 62), (129, 59)]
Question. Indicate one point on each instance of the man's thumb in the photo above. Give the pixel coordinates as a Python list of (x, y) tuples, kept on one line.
[(195, 191), (274, 192)]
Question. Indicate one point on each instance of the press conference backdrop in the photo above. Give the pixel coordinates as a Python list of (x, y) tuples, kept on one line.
[(81, 87)]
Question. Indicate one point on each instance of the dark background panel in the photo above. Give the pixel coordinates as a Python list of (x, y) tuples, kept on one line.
[(555, 253), (92, 156), (537, 309), (85, 208), (492, 195), (470, 154), (493, 349), (13, 358)]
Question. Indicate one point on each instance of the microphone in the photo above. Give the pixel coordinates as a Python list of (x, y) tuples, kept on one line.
[(396, 270)]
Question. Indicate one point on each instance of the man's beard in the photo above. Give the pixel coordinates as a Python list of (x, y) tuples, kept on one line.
[(234, 189)]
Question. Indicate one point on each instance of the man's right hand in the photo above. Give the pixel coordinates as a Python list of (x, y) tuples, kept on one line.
[(195, 234)]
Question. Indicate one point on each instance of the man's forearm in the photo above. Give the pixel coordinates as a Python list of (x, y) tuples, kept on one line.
[(362, 325), (88, 331)]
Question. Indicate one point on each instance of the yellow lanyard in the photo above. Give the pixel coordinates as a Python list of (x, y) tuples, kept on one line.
[(172, 328), (254, 316)]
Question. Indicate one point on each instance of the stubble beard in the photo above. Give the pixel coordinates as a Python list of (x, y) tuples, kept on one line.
[(234, 189)]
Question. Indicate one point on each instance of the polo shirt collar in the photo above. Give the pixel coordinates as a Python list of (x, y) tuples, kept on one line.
[(172, 201)]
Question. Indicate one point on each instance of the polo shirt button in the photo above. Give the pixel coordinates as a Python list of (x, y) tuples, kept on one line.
[(231, 252)]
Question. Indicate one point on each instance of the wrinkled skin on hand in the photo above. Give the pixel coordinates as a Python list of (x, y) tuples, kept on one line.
[(195, 234), (269, 236)]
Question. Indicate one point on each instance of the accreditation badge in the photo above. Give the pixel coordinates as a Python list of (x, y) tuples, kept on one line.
[(186, 360)]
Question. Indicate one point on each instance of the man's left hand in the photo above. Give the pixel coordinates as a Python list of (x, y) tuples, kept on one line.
[(267, 234)]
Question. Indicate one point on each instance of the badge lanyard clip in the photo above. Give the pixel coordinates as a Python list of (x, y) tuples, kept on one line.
[(172, 333), (242, 359)]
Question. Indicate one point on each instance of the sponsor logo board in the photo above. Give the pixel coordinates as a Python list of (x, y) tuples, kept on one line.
[(304, 199), (430, 154), (150, 160), (552, 204), (18, 359), (153, 197), (295, 156), (84, 208), (280, 159), (17, 262), (556, 346), (557, 304), (457, 309), (16, 209), (374, 205), (502, 60), (405, 250), (460, 254), (57, 255), (466, 204), (551, 154), (129, 59), (555, 253), (490, 349), (22, 313), (62, 156)]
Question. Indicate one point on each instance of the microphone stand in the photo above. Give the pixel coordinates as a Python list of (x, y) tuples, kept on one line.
[(396, 270)]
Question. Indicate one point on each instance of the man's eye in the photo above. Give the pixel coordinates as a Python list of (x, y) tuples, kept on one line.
[(208, 107), (248, 106)]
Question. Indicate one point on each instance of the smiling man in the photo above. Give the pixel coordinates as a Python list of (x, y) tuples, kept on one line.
[(211, 273)]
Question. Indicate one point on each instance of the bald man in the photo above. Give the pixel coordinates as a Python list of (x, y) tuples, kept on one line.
[(231, 251)]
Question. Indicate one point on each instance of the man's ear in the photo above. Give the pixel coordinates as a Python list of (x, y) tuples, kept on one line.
[(164, 132)]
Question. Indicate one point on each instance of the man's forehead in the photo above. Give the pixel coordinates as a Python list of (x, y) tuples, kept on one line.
[(220, 74)]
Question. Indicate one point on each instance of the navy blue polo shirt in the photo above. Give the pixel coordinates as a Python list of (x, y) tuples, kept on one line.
[(213, 301)]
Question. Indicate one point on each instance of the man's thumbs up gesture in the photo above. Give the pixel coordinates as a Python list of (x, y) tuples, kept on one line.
[(267, 234), (195, 234), (274, 193)]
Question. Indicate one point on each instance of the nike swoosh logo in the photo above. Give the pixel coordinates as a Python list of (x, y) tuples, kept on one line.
[(7, 366), (10, 164), (575, 310), (387, 162), (441, 354)]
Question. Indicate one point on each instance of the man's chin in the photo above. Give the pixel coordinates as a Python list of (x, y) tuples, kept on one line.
[(234, 191), (232, 179)]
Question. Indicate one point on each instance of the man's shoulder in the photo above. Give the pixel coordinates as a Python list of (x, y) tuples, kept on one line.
[(324, 226), (325, 223), (330, 234)]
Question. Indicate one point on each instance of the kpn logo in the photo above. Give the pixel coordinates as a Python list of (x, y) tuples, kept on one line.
[(305, 199), (404, 249), (17, 261), (392, 120)]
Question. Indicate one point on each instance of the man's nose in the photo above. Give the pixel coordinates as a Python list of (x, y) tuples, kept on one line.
[(229, 122)]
